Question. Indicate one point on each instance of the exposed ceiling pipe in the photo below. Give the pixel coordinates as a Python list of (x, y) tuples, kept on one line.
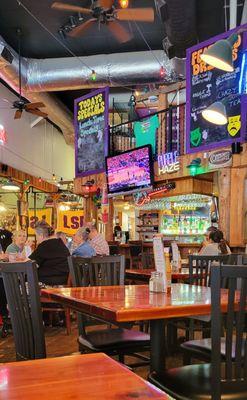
[(113, 70), (56, 74), (233, 13), (56, 110)]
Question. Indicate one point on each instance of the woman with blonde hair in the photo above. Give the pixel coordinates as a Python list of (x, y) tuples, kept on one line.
[(19, 245)]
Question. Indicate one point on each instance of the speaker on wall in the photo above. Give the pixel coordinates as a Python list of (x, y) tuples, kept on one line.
[(236, 148)]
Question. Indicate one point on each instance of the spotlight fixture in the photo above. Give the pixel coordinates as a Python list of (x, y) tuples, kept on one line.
[(72, 21), (216, 113), (10, 186), (4, 168), (123, 3), (219, 55), (26, 181), (62, 34), (194, 166), (40, 179), (54, 178), (80, 17)]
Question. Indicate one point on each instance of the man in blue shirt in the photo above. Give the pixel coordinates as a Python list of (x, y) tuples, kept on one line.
[(84, 248)]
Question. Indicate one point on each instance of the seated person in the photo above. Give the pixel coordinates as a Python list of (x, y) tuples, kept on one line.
[(84, 248), (51, 255), (216, 246), (19, 246), (61, 235), (97, 241)]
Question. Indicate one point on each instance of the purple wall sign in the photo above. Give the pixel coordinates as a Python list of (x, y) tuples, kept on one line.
[(91, 132), (204, 86)]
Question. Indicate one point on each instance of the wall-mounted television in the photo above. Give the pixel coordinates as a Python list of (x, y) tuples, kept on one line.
[(129, 171)]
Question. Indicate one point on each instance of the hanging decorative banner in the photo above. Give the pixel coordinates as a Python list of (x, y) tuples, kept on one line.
[(168, 162), (41, 215), (91, 132), (206, 85), (105, 213), (70, 221)]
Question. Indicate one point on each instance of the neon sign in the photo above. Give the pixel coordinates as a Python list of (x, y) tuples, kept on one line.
[(142, 198), (168, 162)]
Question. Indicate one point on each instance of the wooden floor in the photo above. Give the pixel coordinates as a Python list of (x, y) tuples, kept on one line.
[(58, 343)]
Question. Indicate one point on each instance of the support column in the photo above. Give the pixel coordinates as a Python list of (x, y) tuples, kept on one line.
[(238, 207), (224, 189), (109, 225)]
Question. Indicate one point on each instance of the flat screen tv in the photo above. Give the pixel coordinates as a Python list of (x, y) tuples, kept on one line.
[(129, 171)]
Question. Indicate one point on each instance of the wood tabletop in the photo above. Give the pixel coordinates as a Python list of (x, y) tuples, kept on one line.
[(89, 377), (146, 273), (135, 302)]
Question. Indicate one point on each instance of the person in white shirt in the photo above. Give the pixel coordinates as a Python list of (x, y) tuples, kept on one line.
[(216, 245)]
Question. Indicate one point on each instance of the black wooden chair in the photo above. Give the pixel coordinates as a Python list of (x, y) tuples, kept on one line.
[(199, 274), (105, 271), (147, 260), (23, 297), (219, 380), (136, 249)]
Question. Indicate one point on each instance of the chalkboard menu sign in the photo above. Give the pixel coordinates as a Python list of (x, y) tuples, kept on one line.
[(91, 132), (205, 85)]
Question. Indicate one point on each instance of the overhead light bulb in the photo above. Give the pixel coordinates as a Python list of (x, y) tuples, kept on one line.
[(219, 55), (123, 3), (10, 186), (54, 177), (216, 113), (2, 207)]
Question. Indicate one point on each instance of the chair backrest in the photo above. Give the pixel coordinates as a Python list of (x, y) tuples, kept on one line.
[(114, 249), (200, 267), (147, 260), (97, 271), (136, 247), (23, 297), (235, 372)]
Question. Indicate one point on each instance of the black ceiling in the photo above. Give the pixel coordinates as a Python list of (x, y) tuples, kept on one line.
[(38, 43)]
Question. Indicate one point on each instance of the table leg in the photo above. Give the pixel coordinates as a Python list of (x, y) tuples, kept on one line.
[(158, 345)]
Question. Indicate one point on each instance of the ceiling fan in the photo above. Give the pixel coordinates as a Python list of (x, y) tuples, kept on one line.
[(104, 12), (22, 104)]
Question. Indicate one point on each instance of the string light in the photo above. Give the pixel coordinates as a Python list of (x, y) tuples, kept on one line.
[(123, 3), (93, 76), (162, 72)]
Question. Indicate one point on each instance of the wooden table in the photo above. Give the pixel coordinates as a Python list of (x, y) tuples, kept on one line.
[(145, 274), (135, 302), (82, 377)]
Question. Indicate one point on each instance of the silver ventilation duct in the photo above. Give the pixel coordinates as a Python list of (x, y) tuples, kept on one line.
[(40, 76), (112, 70)]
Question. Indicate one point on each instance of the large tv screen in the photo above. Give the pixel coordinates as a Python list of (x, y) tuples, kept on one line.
[(130, 170)]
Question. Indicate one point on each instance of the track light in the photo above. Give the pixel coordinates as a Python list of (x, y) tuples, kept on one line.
[(62, 34), (72, 21), (219, 55), (80, 17)]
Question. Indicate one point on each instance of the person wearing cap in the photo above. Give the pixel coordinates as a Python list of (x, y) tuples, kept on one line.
[(84, 248)]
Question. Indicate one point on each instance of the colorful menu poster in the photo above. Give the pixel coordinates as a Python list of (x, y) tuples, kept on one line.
[(206, 85), (91, 132)]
